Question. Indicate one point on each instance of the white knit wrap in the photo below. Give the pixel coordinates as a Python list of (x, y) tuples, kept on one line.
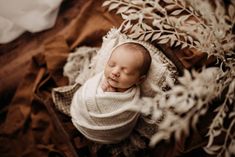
[(104, 117)]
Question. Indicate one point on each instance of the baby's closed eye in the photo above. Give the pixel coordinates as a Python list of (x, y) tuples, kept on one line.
[(128, 71), (111, 64)]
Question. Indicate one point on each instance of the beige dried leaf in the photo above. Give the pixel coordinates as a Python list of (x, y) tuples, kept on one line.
[(122, 9), (134, 35), (106, 3), (113, 6), (168, 1), (170, 6), (164, 41), (176, 12), (231, 11), (184, 45), (156, 36), (148, 36)]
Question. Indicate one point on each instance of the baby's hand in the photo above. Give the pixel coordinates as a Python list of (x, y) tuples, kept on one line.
[(106, 87)]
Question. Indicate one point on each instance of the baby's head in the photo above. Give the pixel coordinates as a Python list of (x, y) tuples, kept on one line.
[(128, 65)]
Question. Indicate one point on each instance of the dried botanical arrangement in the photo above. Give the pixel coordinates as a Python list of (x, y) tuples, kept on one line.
[(202, 25)]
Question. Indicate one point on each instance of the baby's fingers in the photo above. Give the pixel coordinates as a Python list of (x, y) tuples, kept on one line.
[(111, 89), (104, 86)]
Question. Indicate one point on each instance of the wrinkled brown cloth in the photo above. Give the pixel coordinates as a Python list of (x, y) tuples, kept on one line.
[(32, 65)]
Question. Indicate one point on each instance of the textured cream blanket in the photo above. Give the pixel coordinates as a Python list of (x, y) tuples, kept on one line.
[(104, 117)]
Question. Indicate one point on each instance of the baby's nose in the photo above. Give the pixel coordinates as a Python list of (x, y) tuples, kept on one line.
[(116, 72)]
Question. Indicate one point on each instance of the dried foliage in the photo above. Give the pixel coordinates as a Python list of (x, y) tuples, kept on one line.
[(202, 25)]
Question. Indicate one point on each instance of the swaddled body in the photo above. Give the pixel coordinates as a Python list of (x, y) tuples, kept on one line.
[(105, 117)]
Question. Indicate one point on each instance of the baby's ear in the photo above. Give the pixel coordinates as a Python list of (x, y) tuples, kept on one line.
[(141, 79)]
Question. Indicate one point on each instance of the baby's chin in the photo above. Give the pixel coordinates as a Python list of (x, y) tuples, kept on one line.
[(112, 82), (113, 85), (119, 88)]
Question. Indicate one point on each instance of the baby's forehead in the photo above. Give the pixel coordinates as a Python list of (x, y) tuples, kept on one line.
[(128, 55), (127, 50), (130, 47)]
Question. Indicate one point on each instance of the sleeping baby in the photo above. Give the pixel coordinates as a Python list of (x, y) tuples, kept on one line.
[(103, 108)]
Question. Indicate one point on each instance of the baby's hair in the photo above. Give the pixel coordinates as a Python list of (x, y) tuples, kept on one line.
[(147, 57)]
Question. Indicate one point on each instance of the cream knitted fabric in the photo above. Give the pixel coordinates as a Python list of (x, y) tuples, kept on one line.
[(79, 66), (105, 117)]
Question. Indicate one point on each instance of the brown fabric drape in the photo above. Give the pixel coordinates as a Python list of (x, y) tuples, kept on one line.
[(33, 64)]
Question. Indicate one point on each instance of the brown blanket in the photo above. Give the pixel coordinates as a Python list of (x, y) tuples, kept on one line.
[(32, 65)]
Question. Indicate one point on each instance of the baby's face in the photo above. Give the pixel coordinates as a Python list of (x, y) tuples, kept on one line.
[(123, 68)]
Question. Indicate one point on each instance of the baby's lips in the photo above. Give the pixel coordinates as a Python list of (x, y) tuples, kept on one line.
[(113, 79)]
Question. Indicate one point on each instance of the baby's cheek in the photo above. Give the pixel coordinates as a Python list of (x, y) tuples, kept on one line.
[(106, 72), (126, 81)]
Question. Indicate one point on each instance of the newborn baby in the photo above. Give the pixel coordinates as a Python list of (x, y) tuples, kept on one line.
[(127, 66), (103, 108)]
